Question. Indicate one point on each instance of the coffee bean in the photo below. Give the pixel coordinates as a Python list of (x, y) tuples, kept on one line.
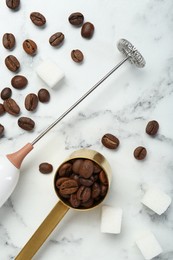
[(69, 187), (30, 47), (19, 82), (140, 153), (11, 107), (76, 19), (86, 169), (1, 130), (103, 178), (26, 123), (60, 181), (38, 19), (75, 203), (12, 63), (97, 168), (104, 189), (77, 56), (56, 39), (152, 127), (2, 109), (86, 182), (84, 193), (43, 95), (31, 102), (6, 93), (87, 30), (65, 169), (8, 41), (88, 204), (110, 141), (45, 168), (96, 190), (13, 4), (76, 165)]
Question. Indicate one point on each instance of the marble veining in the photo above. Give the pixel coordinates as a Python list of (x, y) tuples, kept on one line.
[(122, 105)]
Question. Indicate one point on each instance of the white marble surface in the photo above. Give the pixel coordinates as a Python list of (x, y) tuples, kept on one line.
[(122, 106)]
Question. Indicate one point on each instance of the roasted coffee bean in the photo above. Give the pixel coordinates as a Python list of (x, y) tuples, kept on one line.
[(1, 130), (110, 141), (19, 82), (26, 123), (103, 189), (95, 190), (65, 169), (60, 181), (13, 4), (30, 47), (69, 187), (75, 203), (12, 63), (6, 93), (97, 168), (75, 177), (76, 165), (8, 41), (86, 169), (64, 196), (77, 56), (76, 19), (88, 204), (140, 153), (84, 193), (45, 168), (11, 107), (152, 127), (56, 39), (38, 19), (43, 95), (103, 178), (2, 109), (31, 102), (86, 182), (87, 30)]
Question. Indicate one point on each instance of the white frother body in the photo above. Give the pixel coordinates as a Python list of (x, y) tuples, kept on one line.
[(9, 176)]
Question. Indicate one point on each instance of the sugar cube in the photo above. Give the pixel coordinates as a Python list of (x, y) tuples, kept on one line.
[(111, 220), (148, 245), (156, 200), (50, 73)]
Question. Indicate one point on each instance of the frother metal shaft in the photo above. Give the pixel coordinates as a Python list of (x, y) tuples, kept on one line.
[(79, 101)]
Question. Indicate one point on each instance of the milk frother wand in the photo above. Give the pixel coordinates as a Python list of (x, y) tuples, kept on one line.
[(10, 164)]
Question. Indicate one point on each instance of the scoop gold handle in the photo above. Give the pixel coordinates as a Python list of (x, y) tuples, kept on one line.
[(44, 230)]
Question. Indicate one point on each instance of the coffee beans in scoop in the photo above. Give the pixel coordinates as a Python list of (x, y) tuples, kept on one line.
[(81, 183)]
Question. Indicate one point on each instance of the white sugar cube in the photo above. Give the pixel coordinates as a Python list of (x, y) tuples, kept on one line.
[(111, 220), (148, 245), (50, 73), (156, 200)]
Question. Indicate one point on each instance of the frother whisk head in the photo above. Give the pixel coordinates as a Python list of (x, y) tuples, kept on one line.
[(130, 51)]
